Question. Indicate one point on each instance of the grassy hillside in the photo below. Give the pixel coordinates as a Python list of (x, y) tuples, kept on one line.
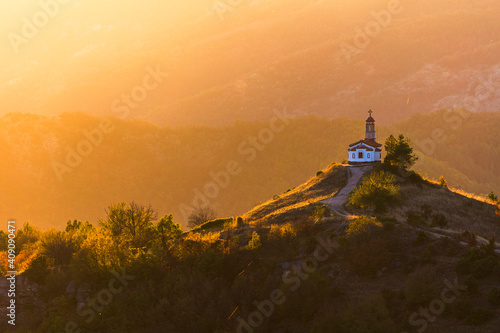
[(296, 272), (297, 201), (169, 167)]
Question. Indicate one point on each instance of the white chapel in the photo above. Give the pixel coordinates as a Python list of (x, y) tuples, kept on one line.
[(367, 150)]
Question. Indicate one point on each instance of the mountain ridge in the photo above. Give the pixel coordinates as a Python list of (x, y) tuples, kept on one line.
[(178, 161)]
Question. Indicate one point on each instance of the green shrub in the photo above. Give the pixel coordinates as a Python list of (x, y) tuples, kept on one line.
[(470, 238), (477, 262), (414, 219), (427, 255), (234, 242), (449, 245), (464, 265), (439, 220), (167, 230), (492, 197), (57, 246), (484, 267), (377, 190), (422, 238), (254, 243), (3, 241), (363, 229), (320, 212), (399, 153), (490, 247), (389, 223), (442, 182), (38, 270), (58, 310), (210, 263)]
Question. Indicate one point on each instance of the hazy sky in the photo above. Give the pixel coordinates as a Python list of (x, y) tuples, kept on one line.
[(70, 21), (47, 45)]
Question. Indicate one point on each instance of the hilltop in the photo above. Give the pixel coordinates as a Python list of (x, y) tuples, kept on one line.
[(411, 252), (463, 211)]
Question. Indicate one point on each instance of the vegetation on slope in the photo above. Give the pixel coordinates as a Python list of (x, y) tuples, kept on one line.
[(372, 276), (299, 200)]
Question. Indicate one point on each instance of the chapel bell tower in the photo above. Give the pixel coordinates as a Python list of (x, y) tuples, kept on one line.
[(370, 127)]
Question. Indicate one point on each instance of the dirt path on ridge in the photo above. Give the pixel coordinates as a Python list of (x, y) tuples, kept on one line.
[(336, 203)]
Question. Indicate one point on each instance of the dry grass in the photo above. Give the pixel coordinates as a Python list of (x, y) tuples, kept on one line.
[(301, 200), (464, 211), (209, 237), (470, 195), (459, 191)]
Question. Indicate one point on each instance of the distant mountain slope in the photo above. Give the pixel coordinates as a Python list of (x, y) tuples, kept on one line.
[(173, 168), (263, 54), (462, 146), (428, 57)]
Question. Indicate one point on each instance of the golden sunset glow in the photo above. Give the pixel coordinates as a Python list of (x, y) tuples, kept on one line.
[(249, 165)]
